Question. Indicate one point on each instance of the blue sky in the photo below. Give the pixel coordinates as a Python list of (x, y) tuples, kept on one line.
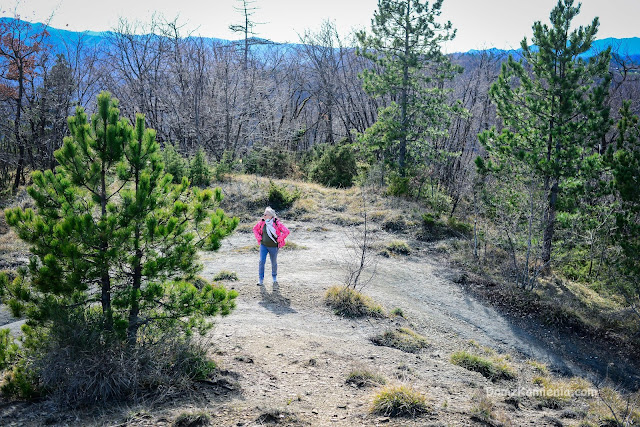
[(480, 23)]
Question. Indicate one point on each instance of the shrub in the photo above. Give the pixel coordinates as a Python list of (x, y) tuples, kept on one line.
[(199, 172), (362, 378), (280, 197), (75, 363), (394, 224), (271, 162), (336, 167), (348, 302), (226, 275), (398, 185), (21, 382), (493, 369), (174, 163), (223, 167), (400, 401), (459, 226), (8, 349), (403, 339)]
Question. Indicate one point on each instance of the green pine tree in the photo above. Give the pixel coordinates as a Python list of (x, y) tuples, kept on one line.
[(552, 104), (199, 172), (174, 163), (410, 69), (623, 160), (110, 228)]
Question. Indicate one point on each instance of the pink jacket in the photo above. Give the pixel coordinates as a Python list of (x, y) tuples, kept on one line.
[(281, 231)]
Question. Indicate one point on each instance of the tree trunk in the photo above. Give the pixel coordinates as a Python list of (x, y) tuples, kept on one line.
[(549, 227), (105, 279), (16, 129)]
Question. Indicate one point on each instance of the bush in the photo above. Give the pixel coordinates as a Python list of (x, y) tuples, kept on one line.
[(459, 226), (225, 166), (400, 401), (76, 363), (362, 378), (403, 339), (398, 185), (199, 172), (281, 198), (348, 302), (174, 163), (495, 369), (433, 228), (336, 167), (271, 162), (8, 349)]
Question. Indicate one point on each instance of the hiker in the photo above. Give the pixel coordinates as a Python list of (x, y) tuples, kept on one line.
[(270, 233)]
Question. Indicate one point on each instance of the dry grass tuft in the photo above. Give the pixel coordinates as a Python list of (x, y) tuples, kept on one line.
[(351, 303), (400, 401), (494, 368), (402, 339), (555, 394), (363, 378), (485, 412)]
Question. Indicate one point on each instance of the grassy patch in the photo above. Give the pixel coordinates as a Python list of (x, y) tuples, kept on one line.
[(351, 303), (226, 275), (303, 206), (403, 339), (363, 378), (494, 368), (400, 401), (398, 247), (485, 412), (538, 368), (555, 394), (293, 246), (611, 408), (395, 224), (397, 312)]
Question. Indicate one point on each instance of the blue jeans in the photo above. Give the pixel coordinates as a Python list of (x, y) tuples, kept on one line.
[(273, 255)]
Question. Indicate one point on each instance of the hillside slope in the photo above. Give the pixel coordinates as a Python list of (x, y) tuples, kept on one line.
[(284, 357)]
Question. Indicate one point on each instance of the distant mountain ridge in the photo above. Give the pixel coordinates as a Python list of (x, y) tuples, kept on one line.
[(625, 47)]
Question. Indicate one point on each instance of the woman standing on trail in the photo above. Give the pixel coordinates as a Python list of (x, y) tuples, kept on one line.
[(270, 234)]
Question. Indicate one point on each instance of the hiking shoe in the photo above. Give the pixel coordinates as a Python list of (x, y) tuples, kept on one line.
[(259, 283)]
